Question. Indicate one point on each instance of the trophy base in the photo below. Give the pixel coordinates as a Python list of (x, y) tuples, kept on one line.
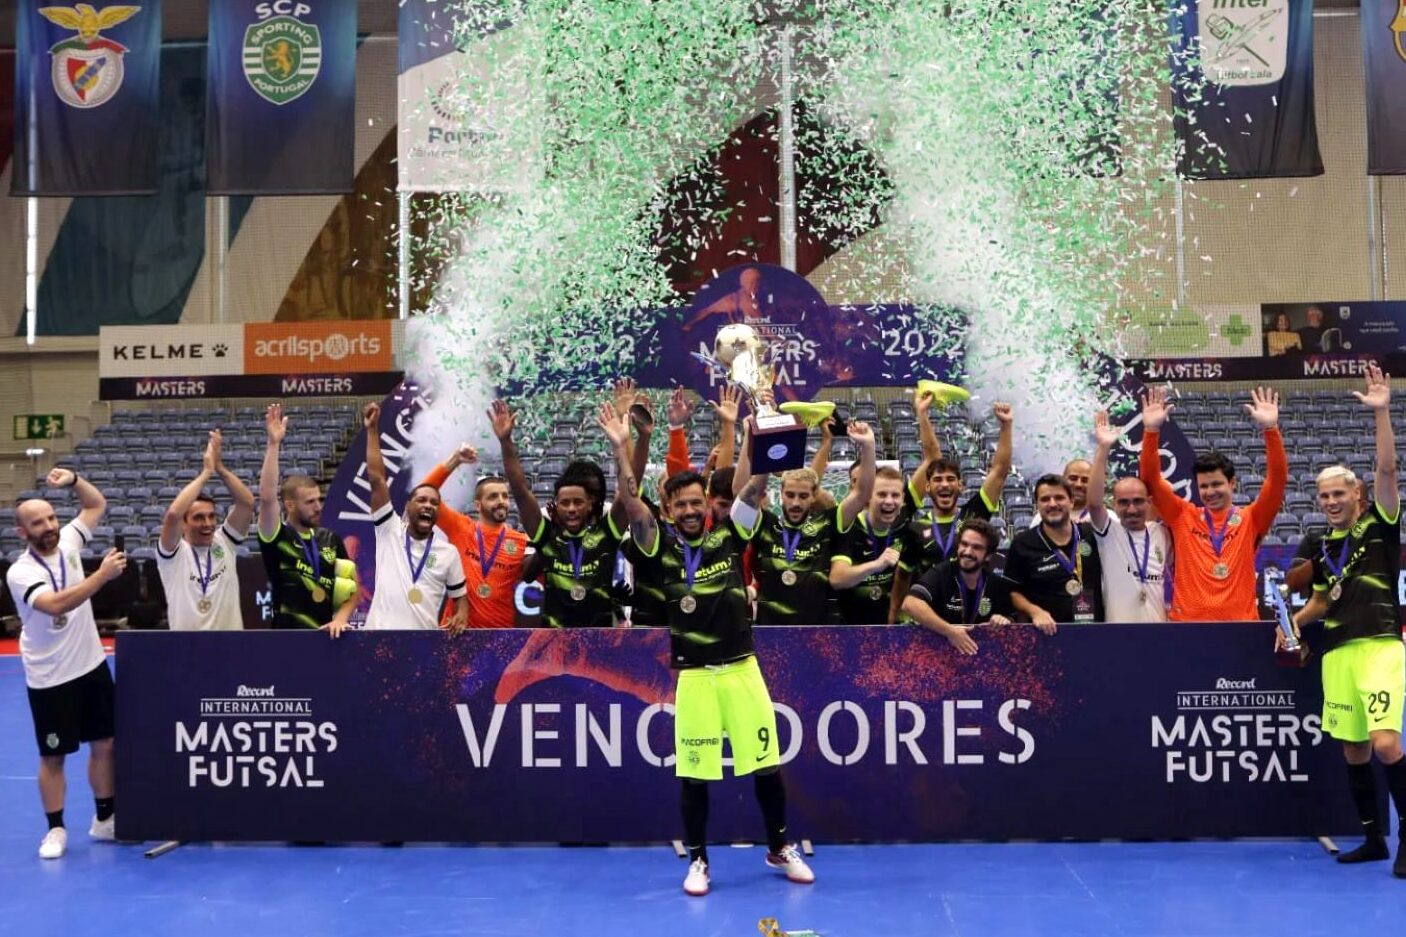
[(1295, 658), (778, 443)]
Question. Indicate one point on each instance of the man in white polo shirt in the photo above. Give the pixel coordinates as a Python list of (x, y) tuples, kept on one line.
[(416, 565), (65, 668), (1136, 552), (196, 553)]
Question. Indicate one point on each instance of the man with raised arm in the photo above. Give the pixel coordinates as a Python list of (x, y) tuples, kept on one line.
[(65, 669), (416, 567), (958, 594), (299, 556), (1355, 578), (1213, 578), (794, 549), (577, 542), (195, 555), (1135, 552), (863, 565), (491, 552), (720, 687)]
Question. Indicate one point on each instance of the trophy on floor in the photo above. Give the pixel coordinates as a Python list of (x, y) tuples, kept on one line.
[(1294, 652), (778, 439)]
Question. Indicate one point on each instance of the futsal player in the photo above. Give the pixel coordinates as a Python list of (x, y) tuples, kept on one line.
[(1054, 567), (958, 594), (195, 555), (65, 668), (1213, 578), (867, 555), (720, 687), (417, 567), (1355, 576)]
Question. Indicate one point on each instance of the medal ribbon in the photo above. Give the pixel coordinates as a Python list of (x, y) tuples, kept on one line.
[(1074, 567), (1336, 568), (486, 558), (692, 559), (790, 543), (204, 576), (878, 544), (577, 552), (944, 542), (417, 569), (313, 555), (1146, 554), (1218, 536), (971, 605), (59, 584)]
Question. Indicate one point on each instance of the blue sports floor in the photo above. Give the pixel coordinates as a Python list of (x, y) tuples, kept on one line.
[(1237, 889)]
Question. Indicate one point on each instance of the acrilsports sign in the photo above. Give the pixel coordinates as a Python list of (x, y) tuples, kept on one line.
[(317, 348)]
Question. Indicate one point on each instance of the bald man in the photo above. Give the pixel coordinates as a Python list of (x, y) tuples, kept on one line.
[(1076, 474), (65, 667), (1136, 551)]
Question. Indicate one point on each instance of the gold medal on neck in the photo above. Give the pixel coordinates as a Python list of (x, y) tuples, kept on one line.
[(1220, 571), (1073, 587), (204, 606), (415, 595), (319, 594), (788, 578), (484, 590), (688, 605)]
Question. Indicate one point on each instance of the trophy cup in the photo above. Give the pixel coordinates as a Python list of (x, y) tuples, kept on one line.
[(1294, 652), (778, 439)]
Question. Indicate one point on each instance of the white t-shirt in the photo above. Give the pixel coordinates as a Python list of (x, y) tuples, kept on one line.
[(181, 573), (55, 650), (442, 574), (1125, 597)]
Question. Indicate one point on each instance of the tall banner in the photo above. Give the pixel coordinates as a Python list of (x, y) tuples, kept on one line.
[(1383, 24), (885, 733), (86, 96), (281, 113), (1242, 88)]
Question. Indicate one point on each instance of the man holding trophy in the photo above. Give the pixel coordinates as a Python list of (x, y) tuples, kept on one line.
[(1355, 574)]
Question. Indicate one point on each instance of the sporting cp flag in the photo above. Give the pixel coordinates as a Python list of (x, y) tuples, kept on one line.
[(282, 105), (1242, 84), (86, 99), (1383, 23)]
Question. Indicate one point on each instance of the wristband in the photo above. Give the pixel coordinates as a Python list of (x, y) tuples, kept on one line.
[(74, 482)]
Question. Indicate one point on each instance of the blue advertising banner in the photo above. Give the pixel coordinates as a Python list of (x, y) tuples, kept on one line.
[(886, 733), (1242, 89), (86, 99), (281, 111), (1383, 23)]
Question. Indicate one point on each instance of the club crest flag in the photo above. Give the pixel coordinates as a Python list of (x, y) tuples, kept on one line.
[(86, 95), (282, 98), (1384, 45), (1242, 86)]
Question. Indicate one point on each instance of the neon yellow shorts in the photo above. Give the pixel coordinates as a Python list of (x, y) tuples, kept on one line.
[(731, 699), (1363, 685)]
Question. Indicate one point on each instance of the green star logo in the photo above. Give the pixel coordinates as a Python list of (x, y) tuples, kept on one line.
[(1235, 331)]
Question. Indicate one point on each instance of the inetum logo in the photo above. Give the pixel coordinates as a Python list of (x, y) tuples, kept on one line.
[(334, 347)]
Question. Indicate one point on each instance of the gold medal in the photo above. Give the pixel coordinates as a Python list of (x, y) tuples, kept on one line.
[(415, 595), (578, 592), (484, 590), (1220, 571), (788, 577), (688, 604), (1073, 587), (319, 594), (204, 606), (1336, 592)]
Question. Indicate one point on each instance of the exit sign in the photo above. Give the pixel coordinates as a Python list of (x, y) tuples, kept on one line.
[(38, 425)]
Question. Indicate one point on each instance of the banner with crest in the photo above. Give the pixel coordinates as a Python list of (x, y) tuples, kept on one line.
[(1383, 26), (86, 95), (281, 113)]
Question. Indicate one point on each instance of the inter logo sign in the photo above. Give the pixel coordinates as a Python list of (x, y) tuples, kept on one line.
[(282, 54), (1243, 42)]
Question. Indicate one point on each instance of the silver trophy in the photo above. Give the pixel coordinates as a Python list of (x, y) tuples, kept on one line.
[(1279, 598), (778, 439)]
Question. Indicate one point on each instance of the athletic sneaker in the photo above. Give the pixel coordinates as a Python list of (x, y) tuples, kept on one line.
[(697, 880), (105, 830), (789, 860), (55, 844)]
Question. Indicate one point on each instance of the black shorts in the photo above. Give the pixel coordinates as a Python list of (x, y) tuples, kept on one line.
[(80, 710)]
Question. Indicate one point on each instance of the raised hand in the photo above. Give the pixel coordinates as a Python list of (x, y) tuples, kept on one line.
[(465, 454), (623, 393), (861, 433), (1004, 412), (1264, 407), (501, 419), (642, 412), (616, 425), (275, 423), (922, 403), (371, 417), (1155, 408), (112, 566), (680, 408), (60, 478), (213, 449), (729, 398), (1105, 435), (1377, 392)]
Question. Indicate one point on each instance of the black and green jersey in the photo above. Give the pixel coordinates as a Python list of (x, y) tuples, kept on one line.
[(931, 540), (302, 571), (793, 570), (647, 601), (578, 573), (868, 603), (709, 621), (1358, 569)]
